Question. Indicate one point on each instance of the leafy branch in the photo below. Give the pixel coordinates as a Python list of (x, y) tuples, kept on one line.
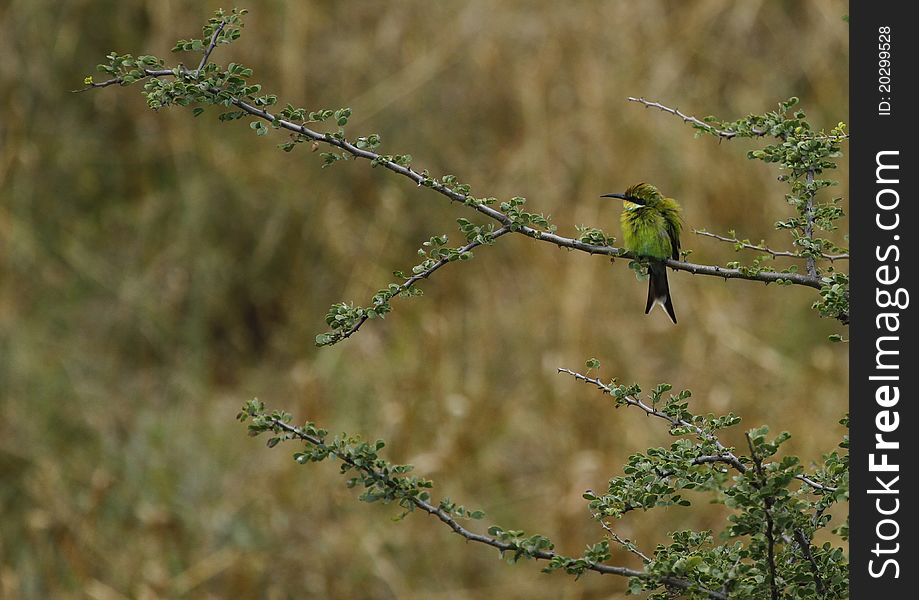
[(389, 483), (691, 566), (230, 88), (802, 154), (345, 319), (398, 165), (771, 515)]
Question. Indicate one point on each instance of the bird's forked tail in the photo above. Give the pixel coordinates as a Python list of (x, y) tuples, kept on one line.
[(659, 289)]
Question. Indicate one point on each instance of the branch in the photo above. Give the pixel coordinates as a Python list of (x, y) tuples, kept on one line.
[(505, 220), (452, 523), (179, 70), (690, 119), (627, 544), (424, 274), (722, 133), (814, 484), (713, 458), (543, 236), (805, 546), (729, 582), (766, 249), (211, 46), (767, 504), (726, 456), (809, 225), (729, 458)]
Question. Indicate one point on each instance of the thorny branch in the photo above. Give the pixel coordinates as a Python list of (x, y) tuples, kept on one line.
[(420, 179), (471, 536)]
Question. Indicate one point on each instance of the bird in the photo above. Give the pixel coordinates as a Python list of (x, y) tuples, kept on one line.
[(651, 226)]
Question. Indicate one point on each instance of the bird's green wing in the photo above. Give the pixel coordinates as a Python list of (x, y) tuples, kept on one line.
[(673, 231)]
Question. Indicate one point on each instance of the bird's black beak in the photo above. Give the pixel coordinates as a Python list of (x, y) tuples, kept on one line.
[(623, 197)]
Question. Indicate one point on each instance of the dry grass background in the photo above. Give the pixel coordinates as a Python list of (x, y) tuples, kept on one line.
[(158, 270)]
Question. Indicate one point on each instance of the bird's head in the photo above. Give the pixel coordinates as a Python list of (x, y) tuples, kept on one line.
[(640, 194)]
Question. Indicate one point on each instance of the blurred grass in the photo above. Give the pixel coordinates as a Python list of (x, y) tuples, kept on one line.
[(158, 270)]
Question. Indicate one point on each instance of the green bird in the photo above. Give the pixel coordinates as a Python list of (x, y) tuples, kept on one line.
[(651, 227)]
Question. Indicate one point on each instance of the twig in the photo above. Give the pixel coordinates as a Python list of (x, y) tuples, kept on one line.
[(146, 73), (809, 219), (543, 236), (814, 484), (805, 546), (767, 504), (424, 274), (627, 544), (722, 133), (447, 519), (713, 458), (766, 249), (690, 119), (728, 582), (815, 520), (211, 46)]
